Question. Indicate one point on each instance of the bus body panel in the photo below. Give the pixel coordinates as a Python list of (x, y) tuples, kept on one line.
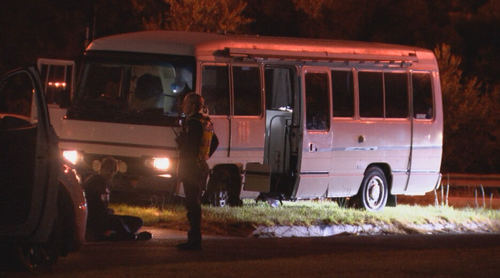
[(123, 136), (134, 146), (427, 147), (358, 144), (247, 139)]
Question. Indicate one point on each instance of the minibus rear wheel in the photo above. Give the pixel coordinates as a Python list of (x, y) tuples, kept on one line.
[(373, 192)]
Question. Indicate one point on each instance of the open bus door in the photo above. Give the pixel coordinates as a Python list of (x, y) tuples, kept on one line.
[(314, 158), (275, 177), (58, 79), (28, 158)]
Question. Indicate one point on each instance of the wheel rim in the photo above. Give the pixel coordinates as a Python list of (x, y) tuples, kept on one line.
[(374, 193), (34, 256), (222, 198)]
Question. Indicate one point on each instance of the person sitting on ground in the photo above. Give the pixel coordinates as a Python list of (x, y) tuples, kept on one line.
[(102, 223)]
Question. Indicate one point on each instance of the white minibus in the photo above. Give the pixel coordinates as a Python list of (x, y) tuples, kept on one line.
[(296, 118)]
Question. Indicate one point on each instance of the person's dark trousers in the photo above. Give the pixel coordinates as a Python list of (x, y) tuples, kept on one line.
[(122, 227), (192, 190), (193, 174), (126, 223), (125, 227)]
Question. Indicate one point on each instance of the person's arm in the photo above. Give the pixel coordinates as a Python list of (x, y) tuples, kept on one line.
[(95, 187)]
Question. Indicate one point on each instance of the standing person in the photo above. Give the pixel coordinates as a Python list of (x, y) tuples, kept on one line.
[(102, 223), (194, 144)]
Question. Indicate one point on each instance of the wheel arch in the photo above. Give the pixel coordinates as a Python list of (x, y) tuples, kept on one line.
[(227, 178), (238, 167), (233, 169), (362, 200)]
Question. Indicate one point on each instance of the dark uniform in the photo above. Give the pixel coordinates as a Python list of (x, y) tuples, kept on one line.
[(193, 172), (102, 224)]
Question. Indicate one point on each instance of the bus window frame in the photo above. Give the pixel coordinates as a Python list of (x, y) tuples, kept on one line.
[(329, 117), (230, 66), (231, 89), (291, 67), (433, 96), (354, 92), (409, 95), (358, 103), (200, 84)]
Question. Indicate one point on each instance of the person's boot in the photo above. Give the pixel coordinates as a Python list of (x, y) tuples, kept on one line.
[(143, 236), (190, 245)]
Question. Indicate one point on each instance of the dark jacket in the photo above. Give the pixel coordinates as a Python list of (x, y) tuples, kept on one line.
[(189, 142), (97, 194), (190, 138)]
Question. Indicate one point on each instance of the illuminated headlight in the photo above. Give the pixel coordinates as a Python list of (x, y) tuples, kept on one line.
[(72, 156), (158, 163), (161, 163)]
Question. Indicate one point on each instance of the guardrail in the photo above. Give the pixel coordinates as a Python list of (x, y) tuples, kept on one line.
[(454, 179)]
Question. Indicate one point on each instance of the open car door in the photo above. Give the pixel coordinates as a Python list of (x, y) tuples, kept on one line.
[(29, 162)]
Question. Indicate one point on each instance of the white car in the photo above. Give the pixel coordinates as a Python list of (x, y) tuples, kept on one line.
[(43, 211)]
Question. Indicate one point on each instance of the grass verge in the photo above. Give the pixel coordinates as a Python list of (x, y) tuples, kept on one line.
[(243, 220)]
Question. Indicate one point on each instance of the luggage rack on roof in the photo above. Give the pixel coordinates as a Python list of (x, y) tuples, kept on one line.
[(383, 60)]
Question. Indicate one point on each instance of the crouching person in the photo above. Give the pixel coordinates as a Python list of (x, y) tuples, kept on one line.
[(102, 223)]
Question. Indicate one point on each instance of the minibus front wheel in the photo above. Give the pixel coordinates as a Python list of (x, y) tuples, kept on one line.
[(372, 194)]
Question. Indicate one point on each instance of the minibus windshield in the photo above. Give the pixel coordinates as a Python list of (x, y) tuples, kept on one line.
[(131, 88)]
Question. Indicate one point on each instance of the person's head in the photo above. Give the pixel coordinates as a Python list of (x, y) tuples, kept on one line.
[(192, 103), (109, 167), (148, 86)]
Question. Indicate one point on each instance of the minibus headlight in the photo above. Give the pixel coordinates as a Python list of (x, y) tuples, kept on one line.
[(160, 163), (72, 156)]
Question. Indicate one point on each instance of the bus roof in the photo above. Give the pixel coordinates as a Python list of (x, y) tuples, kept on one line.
[(210, 44)]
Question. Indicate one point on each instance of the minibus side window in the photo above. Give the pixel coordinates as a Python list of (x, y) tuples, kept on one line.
[(279, 88), (342, 94), (317, 101), (215, 89), (396, 94), (247, 91), (422, 96), (371, 95)]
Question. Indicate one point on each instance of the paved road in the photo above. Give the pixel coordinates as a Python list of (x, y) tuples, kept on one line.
[(338, 256)]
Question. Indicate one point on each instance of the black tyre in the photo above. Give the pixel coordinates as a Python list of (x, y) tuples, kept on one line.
[(342, 202), (392, 200), (40, 257), (374, 190)]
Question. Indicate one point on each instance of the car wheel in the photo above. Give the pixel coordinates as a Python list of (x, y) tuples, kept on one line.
[(40, 257)]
